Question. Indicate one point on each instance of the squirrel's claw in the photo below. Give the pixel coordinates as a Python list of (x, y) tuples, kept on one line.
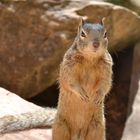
[(98, 99), (84, 97)]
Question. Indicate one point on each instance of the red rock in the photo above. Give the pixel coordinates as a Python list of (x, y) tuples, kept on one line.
[(35, 34)]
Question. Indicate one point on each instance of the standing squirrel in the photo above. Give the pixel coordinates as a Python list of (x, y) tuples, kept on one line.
[(85, 78)]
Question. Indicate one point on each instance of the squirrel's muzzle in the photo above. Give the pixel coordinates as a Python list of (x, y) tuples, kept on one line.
[(96, 44)]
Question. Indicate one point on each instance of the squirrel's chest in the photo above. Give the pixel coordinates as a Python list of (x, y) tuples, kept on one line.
[(89, 77)]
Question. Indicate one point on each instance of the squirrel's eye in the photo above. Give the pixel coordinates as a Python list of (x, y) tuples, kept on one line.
[(83, 34), (105, 34)]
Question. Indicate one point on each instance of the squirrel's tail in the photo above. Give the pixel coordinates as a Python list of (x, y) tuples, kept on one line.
[(41, 118)]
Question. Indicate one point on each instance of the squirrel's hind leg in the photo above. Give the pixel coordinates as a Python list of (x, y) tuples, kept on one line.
[(60, 130), (96, 132)]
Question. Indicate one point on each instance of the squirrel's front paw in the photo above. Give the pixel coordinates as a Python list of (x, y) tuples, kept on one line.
[(98, 102), (84, 97), (98, 98)]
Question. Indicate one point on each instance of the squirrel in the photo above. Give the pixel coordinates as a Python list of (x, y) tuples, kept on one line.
[(85, 79)]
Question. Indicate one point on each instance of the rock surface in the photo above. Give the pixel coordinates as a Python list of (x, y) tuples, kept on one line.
[(33, 134), (132, 127), (12, 104), (36, 33)]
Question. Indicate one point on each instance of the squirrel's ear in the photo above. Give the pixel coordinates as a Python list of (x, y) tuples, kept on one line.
[(82, 22), (102, 21)]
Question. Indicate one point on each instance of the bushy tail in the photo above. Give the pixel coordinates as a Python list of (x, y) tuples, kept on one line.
[(41, 118)]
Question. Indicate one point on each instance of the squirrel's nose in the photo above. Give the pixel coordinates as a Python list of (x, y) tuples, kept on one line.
[(96, 44)]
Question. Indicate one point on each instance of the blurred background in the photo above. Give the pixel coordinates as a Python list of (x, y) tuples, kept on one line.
[(34, 35)]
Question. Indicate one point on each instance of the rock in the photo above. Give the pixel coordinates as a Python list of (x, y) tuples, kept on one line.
[(136, 2), (132, 127), (36, 33), (32, 134), (11, 104), (117, 101)]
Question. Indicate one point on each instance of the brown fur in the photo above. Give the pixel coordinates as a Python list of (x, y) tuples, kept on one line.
[(84, 80)]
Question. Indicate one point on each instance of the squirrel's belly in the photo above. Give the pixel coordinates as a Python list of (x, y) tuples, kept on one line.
[(76, 112)]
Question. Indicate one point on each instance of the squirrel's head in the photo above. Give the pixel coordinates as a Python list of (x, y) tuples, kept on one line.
[(92, 38)]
